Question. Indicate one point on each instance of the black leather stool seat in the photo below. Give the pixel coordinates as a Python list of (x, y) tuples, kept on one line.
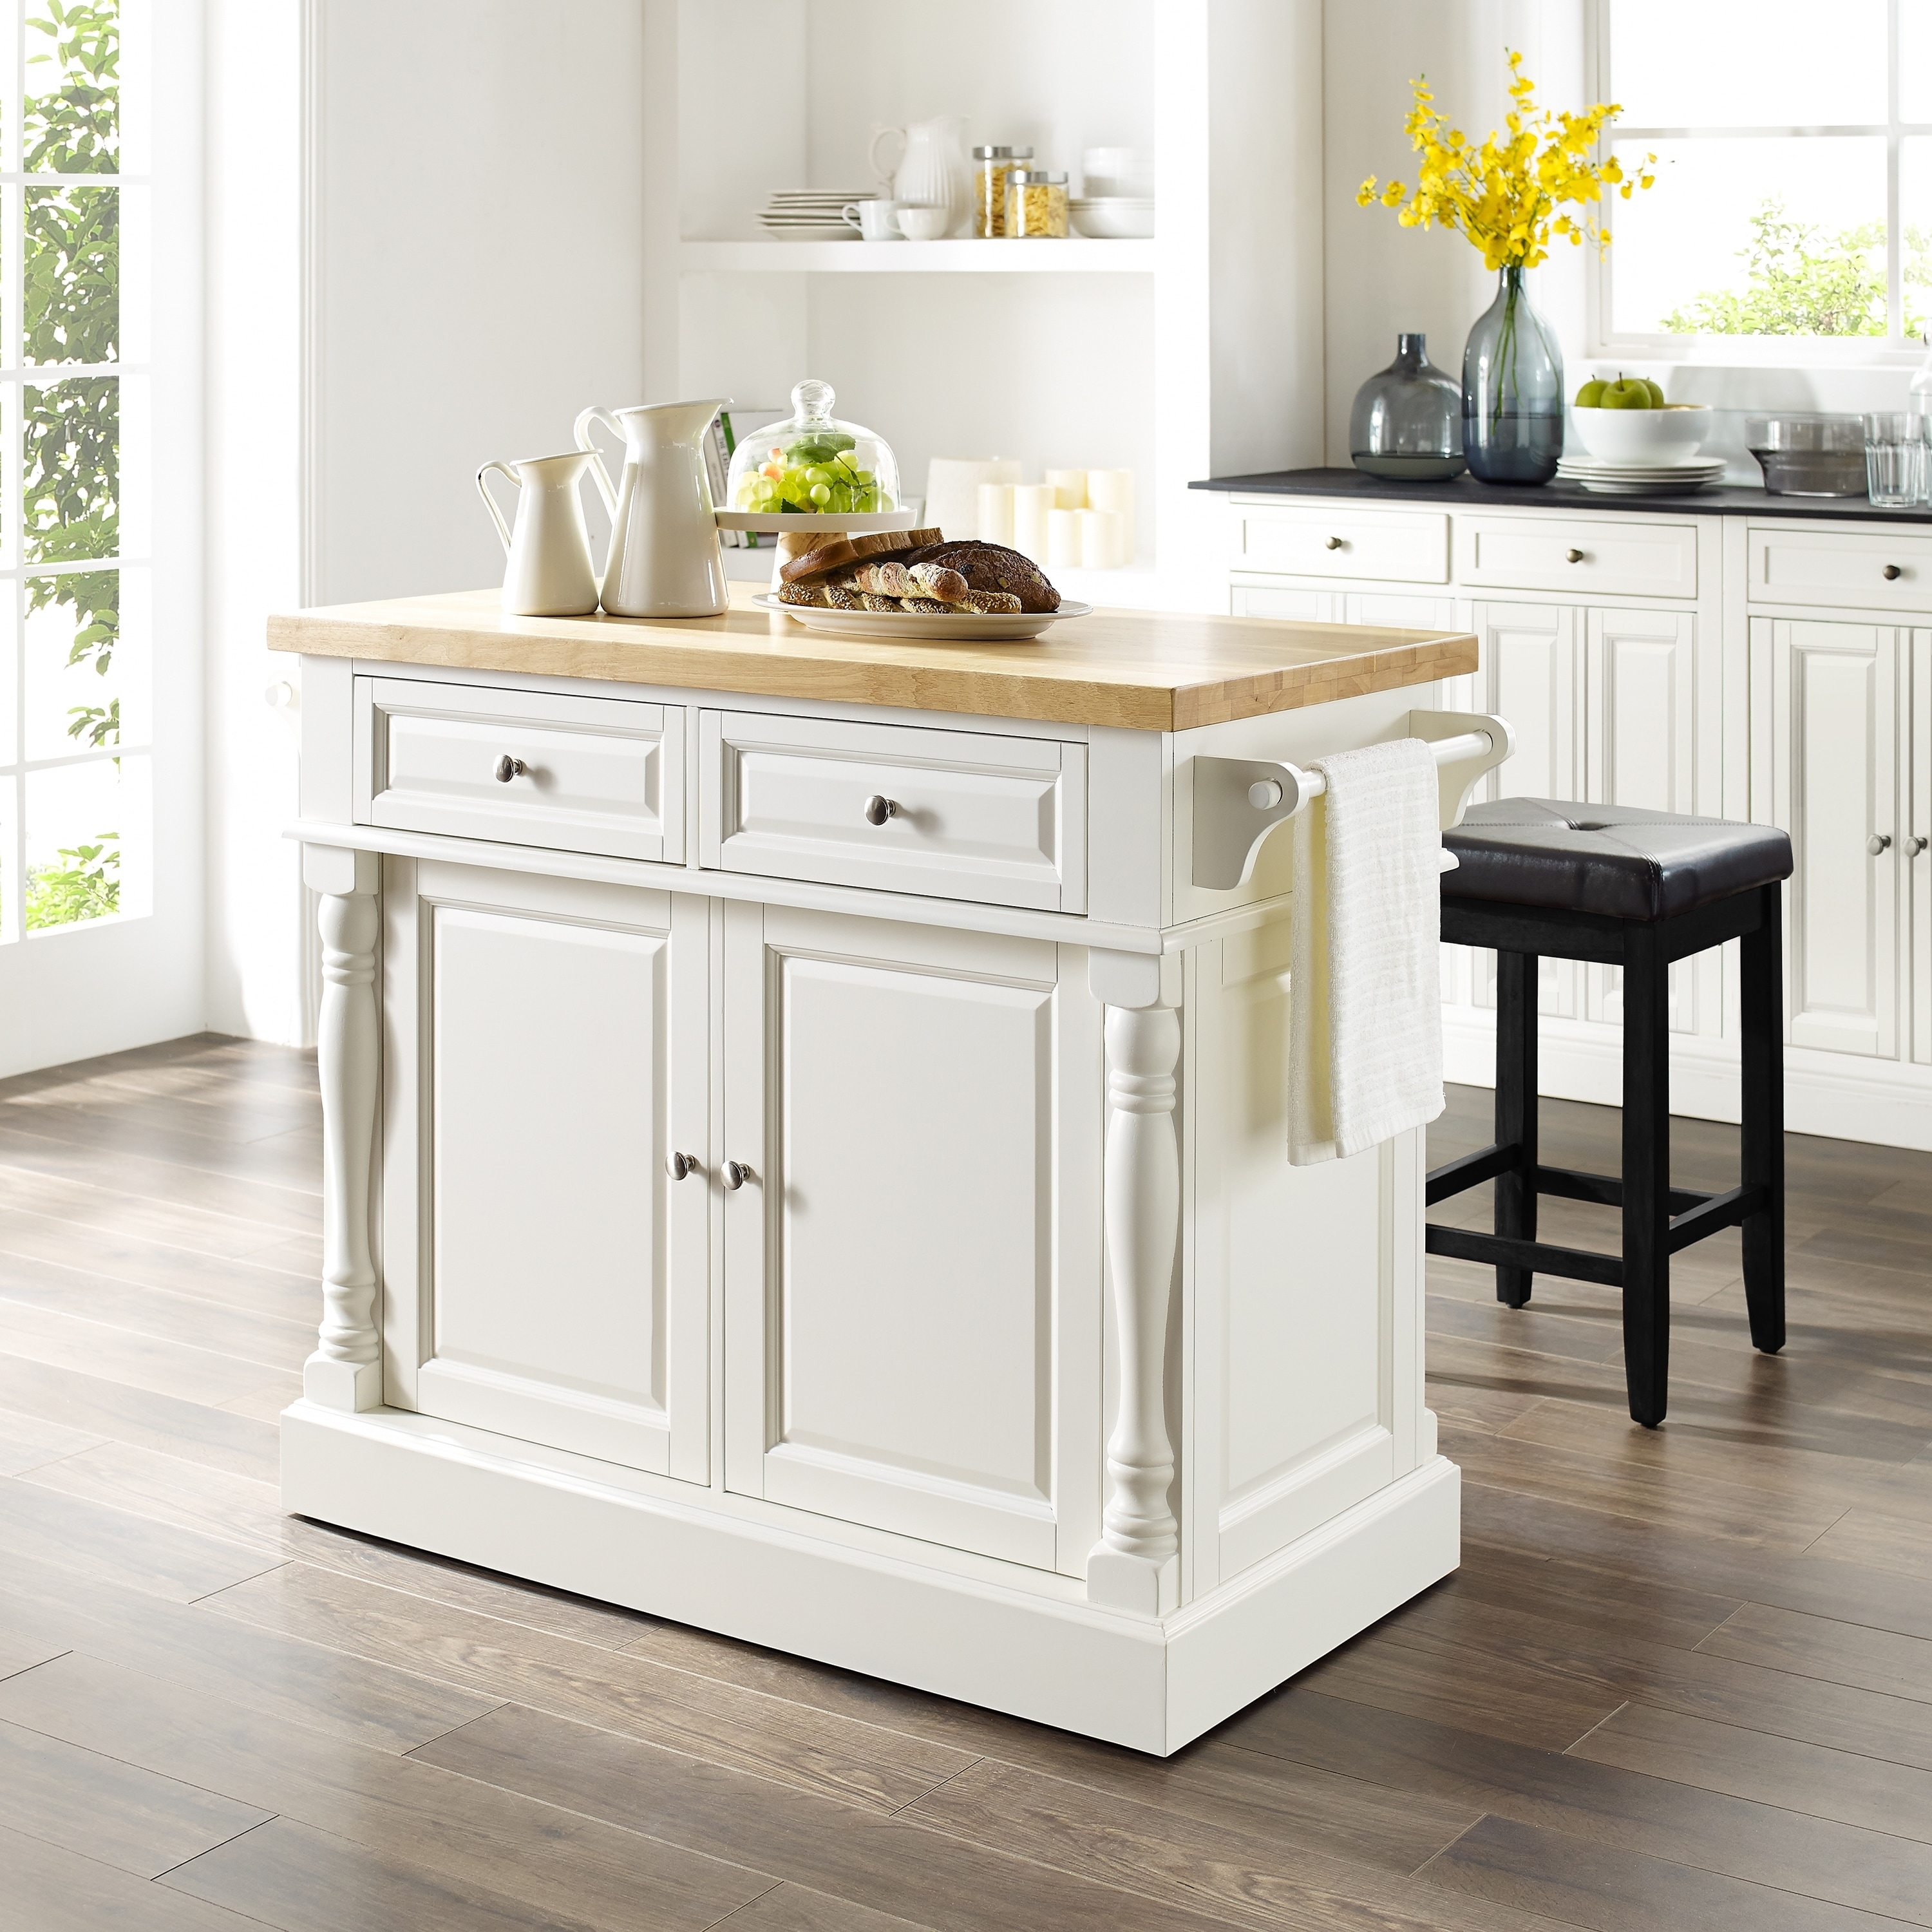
[(1618, 861)]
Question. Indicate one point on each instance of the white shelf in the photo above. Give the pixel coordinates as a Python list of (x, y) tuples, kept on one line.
[(1076, 255)]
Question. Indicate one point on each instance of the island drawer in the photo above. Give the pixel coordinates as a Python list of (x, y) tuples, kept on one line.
[(951, 814), (1876, 570), (585, 774), (1410, 546), (1622, 559)]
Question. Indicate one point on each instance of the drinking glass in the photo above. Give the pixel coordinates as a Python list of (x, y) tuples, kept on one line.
[(1894, 460)]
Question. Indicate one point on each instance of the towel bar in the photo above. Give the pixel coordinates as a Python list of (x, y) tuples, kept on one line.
[(1238, 802)]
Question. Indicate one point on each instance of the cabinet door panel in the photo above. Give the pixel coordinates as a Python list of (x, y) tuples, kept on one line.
[(558, 1038), (1918, 860), (1528, 672), (913, 1321), (1835, 719)]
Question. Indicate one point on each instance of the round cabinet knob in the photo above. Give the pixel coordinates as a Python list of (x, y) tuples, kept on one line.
[(680, 1165), (736, 1174), (1336, 543), (878, 809), (1891, 573), (1573, 556), (508, 768), (1879, 841), (1265, 794), (1915, 844)]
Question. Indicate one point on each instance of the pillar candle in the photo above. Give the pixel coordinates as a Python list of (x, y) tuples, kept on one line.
[(1069, 487), (1031, 503), (953, 490), (1114, 489), (1063, 539), (996, 513), (1100, 540)]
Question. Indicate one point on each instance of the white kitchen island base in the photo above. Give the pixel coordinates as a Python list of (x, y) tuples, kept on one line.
[(806, 1144), (1150, 1684)]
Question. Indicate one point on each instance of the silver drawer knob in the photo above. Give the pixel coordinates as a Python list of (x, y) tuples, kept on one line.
[(1573, 556), (878, 809), (1891, 573), (680, 1165), (508, 768), (1879, 841), (1336, 543), (1915, 844), (736, 1174)]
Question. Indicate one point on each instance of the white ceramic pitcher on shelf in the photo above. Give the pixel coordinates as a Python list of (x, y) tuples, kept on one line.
[(548, 571), (932, 167), (665, 560)]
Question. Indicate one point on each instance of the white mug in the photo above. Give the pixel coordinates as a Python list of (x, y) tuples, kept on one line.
[(876, 221)]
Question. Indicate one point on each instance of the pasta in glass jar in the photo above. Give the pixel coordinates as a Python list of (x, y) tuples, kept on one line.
[(1036, 204)]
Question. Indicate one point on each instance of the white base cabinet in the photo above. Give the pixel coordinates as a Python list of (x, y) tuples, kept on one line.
[(866, 1234), (1769, 669)]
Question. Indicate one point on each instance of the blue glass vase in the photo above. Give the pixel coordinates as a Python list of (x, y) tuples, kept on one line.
[(1512, 391)]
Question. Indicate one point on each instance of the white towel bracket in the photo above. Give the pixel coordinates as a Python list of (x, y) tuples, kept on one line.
[(1238, 802)]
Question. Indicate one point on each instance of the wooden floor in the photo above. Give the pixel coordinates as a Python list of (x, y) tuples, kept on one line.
[(1683, 1680)]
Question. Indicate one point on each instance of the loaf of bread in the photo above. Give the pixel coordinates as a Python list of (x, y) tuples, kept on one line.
[(839, 554), (993, 567)]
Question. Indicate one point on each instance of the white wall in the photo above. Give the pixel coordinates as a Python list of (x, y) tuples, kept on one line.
[(1381, 279)]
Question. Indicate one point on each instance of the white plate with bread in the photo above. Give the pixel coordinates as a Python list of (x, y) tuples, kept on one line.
[(960, 627)]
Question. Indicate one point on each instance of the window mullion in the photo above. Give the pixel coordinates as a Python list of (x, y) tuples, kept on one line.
[(1894, 227)]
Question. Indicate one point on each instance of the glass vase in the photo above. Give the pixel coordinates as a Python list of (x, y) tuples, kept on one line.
[(1512, 391), (1407, 422)]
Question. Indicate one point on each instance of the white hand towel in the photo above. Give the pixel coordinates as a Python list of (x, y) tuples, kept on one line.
[(1365, 991)]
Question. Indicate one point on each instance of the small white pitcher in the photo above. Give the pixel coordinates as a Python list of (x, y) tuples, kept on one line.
[(664, 560), (548, 573)]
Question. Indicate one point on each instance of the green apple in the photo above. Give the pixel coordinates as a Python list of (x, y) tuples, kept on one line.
[(1656, 393), (1590, 395), (1627, 392)]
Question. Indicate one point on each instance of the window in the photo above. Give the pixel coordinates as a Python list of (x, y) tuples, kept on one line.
[(74, 710), (1794, 192)]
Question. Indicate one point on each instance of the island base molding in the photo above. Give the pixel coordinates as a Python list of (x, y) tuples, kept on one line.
[(1150, 1684)]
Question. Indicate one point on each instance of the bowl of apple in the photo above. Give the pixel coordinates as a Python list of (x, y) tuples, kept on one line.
[(1628, 420)]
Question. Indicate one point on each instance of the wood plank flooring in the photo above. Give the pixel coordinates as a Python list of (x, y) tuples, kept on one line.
[(1683, 1679)]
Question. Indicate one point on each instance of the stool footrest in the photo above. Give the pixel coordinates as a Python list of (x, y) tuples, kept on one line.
[(1454, 1177), (1606, 1189), (1727, 1210), (1467, 1244), (1570, 1184)]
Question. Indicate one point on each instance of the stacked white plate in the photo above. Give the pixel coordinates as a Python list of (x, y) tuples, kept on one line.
[(1639, 479), (812, 214), (1113, 217)]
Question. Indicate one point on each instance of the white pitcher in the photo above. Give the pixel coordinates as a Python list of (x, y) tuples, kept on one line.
[(933, 168), (665, 559), (548, 573)]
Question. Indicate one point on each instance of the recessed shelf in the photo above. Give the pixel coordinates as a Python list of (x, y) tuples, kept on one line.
[(1073, 256)]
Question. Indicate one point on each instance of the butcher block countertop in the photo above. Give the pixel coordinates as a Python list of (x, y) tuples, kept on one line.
[(1145, 670)]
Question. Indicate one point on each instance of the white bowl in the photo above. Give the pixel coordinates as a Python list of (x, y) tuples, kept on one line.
[(924, 223), (1112, 219), (1671, 434), (1117, 171)]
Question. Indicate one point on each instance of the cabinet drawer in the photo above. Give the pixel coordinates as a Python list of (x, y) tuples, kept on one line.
[(600, 775), (978, 817), (1828, 567), (1411, 546), (1621, 559)]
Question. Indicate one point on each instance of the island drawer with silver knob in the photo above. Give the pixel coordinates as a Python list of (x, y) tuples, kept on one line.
[(597, 774), (950, 814), (1307, 540), (1874, 571), (1617, 556)]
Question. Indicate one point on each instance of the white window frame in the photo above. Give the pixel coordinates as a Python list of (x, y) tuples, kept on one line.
[(1895, 350)]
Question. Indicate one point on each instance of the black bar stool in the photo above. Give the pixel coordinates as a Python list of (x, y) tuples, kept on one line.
[(1637, 889)]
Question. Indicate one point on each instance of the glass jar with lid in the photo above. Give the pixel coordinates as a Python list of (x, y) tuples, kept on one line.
[(812, 465), (1036, 203), (992, 167)]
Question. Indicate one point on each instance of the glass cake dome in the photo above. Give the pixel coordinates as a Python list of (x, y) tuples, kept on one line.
[(813, 465)]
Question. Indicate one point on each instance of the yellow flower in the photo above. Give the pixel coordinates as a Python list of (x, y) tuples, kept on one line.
[(1504, 195)]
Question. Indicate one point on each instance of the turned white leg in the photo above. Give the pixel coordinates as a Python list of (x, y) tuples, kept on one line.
[(345, 1371), (1135, 1564)]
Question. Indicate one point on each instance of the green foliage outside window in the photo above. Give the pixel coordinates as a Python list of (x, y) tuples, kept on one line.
[(87, 886), (1805, 280)]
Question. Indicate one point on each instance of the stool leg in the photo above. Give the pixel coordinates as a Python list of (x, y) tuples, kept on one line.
[(1762, 1139), (1515, 1113), (1646, 1138)]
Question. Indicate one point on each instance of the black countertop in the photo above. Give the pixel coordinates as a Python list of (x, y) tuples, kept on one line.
[(1713, 500)]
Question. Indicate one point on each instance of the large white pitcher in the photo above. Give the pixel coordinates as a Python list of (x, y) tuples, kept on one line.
[(933, 168), (547, 571), (665, 560)]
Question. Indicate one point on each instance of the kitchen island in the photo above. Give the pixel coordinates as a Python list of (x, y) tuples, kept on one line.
[(806, 1146)]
